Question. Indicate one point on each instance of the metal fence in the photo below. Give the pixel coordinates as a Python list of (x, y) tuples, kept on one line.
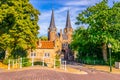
[(21, 62)]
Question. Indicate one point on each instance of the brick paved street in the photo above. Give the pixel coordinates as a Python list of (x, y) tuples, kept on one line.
[(45, 74)]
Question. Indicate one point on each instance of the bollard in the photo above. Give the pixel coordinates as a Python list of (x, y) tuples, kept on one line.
[(43, 62), (13, 64), (16, 63), (9, 65), (60, 63), (32, 61), (20, 63), (54, 63), (65, 65)]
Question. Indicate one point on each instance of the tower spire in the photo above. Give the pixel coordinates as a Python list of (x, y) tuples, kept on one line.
[(52, 29), (68, 22), (52, 22)]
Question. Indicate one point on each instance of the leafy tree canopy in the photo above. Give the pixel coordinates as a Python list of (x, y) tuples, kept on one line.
[(43, 38), (103, 26), (18, 24)]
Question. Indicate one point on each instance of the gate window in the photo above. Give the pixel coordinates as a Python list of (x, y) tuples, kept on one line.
[(33, 54), (46, 55)]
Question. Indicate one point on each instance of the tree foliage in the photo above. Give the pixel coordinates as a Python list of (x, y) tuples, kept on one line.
[(85, 47), (103, 27), (18, 25), (43, 38)]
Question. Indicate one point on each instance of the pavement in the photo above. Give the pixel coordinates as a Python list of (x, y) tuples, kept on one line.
[(104, 68), (68, 69), (36, 73), (101, 68)]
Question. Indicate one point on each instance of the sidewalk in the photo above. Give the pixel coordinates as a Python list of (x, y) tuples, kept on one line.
[(103, 68), (68, 69)]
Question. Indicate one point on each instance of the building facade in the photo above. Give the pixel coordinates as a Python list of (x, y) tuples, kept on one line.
[(58, 43), (63, 39)]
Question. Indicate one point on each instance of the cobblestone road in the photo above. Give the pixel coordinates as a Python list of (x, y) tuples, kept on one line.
[(45, 74)]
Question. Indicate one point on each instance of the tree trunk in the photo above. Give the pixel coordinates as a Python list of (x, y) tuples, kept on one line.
[(6, 54), (104, 51)]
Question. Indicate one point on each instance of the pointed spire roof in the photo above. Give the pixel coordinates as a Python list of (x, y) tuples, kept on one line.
[(68, 22), (52, 22)]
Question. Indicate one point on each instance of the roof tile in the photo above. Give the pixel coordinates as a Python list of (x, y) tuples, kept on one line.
[(45, 45)]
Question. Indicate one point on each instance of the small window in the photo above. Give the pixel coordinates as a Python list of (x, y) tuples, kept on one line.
[(46, 55), (33, 54)]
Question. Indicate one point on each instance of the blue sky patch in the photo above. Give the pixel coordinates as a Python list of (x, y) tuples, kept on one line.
[(60, 11)]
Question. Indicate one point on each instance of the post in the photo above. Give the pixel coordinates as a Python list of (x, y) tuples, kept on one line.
[(43, 61), (110, 60), (54, 63), (110, 47), (65, 65), (60, 63), (20, 63), (32, 61), (9, 65), (16, 63), (13, 64)]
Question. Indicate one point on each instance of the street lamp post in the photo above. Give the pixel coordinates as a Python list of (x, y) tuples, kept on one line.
[(109, 46)]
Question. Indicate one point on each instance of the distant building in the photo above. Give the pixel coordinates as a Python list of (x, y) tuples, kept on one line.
[(58, 43)]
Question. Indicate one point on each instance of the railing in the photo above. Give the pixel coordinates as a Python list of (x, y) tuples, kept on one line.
[(21, 62)]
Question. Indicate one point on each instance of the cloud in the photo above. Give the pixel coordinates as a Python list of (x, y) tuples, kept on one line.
[(60, 18), (79, 3), (62, 9), (60, 14)]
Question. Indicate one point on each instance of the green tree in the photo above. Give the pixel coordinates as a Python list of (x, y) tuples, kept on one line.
[(103, 25), (18, 25), (85, 47), (43, 38)]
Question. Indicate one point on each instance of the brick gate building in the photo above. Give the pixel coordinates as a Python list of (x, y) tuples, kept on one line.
[(58, 43)]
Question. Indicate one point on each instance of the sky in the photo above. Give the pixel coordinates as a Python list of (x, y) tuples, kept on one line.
[(60, 8)]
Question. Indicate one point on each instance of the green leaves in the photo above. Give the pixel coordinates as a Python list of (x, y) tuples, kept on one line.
[(16, 27), (103, 27)]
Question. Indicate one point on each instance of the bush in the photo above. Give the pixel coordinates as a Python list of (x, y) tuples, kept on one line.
[(92, 61), (57, 62), (39, 63), (6, 61), (26, 62)]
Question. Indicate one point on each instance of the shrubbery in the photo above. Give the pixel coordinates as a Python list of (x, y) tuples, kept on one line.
[(57, 60), (26, 62), (39, 63)]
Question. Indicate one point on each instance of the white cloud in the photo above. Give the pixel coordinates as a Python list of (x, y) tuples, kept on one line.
[(60, 14), (62, 9), (60, 18), (45, 15), (79, 3), (43, 28)]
